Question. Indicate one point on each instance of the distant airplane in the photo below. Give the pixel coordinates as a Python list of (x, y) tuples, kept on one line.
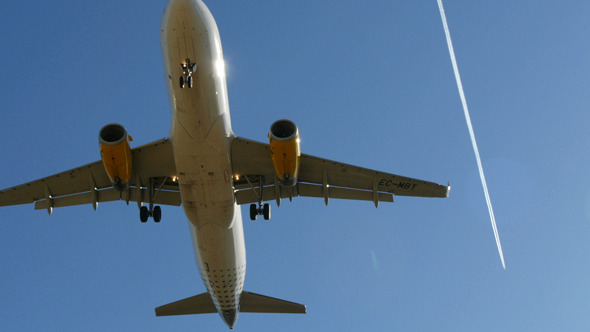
[(210, 171)]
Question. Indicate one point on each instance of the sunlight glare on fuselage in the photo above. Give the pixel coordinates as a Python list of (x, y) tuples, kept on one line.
[(220, 68)]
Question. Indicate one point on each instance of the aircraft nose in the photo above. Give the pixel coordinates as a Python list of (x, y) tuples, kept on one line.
[(230, 317)]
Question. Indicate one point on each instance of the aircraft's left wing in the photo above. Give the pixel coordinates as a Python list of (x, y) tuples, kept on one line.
[(153, 169), (322, 178)]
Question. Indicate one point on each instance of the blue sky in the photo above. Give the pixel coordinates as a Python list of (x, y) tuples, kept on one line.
[(368, 83)]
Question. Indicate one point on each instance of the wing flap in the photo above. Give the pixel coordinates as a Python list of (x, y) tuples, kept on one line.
[(310, 190), (106, 195), (109, 195)]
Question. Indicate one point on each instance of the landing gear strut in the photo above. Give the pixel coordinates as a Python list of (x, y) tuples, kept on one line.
[(153, 211), (188, 69), (260, 208)]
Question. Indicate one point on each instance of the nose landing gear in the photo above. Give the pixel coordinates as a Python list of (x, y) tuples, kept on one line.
[(188, 69)]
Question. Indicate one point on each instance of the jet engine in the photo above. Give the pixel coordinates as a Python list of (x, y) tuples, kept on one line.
[(285, 151), (116, 155)]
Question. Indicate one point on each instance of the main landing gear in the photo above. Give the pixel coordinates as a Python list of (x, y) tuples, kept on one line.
[(188, 69), (145, 213), (154, 186), (261, 209)]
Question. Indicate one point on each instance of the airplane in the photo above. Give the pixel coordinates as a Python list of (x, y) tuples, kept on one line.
[(203, 167)]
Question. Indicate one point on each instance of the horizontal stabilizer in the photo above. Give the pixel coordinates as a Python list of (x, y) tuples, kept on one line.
[(198, 304), (251, 302)]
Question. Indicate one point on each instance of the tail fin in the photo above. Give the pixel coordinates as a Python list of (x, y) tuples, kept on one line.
[(249, 302)]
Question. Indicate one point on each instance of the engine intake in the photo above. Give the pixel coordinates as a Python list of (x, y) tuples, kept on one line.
[(285, 151), (116, 155)]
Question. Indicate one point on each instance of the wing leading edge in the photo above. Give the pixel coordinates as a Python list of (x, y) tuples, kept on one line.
[(254, 177)]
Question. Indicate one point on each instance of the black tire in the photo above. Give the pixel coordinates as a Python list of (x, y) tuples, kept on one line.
[(143, 214), (182, 82), (190, 82), (253, 212), (266, 211), (157, 214)]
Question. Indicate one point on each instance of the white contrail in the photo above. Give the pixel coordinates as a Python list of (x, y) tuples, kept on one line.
[(470, 127)]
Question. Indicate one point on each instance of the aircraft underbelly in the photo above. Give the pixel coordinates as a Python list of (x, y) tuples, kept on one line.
[(221, 258), (201, 128), (201, 136)]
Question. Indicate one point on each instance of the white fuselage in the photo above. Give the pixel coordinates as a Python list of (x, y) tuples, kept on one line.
[(201, 136)]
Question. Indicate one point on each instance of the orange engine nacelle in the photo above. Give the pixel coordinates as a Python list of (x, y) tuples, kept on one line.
[(285, 151), (116, 155)]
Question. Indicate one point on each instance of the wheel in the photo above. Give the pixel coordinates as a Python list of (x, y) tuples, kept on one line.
[(157, 214), (253, 212), (190, 81), (182, 82), (266, 211), (143, 214)]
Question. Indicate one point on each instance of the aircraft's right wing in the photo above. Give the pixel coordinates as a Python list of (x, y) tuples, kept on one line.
[(320, 178)]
